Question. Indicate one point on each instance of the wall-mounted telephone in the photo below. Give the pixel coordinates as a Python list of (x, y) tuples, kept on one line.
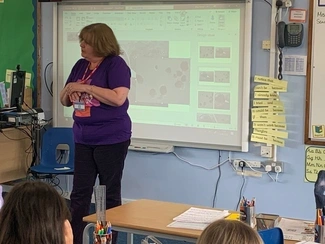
[(290, 35)]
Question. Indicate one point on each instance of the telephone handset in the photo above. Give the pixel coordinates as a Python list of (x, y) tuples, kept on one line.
[(290, 35)]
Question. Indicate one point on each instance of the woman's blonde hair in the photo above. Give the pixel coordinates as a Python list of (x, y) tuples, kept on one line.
[(229, 232), (101, 38)]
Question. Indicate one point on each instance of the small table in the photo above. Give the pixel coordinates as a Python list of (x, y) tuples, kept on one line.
[(148, 217)]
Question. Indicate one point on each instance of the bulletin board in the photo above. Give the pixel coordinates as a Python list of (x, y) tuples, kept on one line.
[(18, 37), (315, 87)]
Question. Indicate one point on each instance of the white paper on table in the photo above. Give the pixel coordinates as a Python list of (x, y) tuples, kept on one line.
[(188, 225), (306, 242), (297, 229), (200, 215)]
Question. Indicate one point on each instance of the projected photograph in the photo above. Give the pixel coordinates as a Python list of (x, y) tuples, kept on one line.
[(221, 100), (157, 79), (217, 76), (213, 118), (205, 99), (214, 100), (221, 76), (222, 52), (207, 76), (206, 52)]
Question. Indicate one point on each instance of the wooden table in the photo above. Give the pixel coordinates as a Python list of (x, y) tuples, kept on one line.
[(148, 217)]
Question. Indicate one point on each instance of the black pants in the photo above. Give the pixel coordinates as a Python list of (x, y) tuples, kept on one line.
[(107, 162)]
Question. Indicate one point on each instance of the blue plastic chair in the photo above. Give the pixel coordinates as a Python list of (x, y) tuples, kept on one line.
[(272, 236), (49, 164)]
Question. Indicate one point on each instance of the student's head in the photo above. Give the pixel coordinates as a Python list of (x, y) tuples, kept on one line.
[(229, 232), (34, 212), (98, 40)]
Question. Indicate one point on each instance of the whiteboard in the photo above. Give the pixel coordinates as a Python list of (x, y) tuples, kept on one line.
[(190, 64), (315, 89)]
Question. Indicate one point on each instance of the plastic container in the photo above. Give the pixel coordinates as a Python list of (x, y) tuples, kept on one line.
[(266, 221)]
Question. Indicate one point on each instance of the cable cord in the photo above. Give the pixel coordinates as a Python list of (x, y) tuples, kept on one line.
[(280, 76), (268, 3), (49, 88), (217, 184), (241, 191), (279, 4), (200, 166)]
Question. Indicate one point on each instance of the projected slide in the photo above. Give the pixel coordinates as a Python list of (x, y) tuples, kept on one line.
[(185, 61), (168, 81)]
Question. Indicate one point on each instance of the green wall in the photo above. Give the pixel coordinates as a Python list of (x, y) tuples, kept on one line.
[(18, 36)]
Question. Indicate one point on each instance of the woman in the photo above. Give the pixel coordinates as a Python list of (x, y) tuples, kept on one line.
[(34, 212), (229, 232), (98, 88)]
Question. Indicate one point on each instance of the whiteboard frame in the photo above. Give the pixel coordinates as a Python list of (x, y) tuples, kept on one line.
[(308, 139), (246, 74), (56, 94)]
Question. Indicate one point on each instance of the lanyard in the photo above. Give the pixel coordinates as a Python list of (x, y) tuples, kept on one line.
[(83, 80)]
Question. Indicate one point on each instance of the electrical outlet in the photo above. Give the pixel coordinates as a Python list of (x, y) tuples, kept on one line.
[(287, 3), (235, 163), (266, 45), (276, 167), (249, 163), (253, 164), (266, 151)]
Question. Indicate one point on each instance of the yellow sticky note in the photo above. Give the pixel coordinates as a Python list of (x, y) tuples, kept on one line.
[(318, 131), (268, 139), (256, 116), (271, 132), (9, 75), (267, 125), (274, 110), (268, 95), (28, 79), (269, 118), (267, 103), (270, 88), (315, 161), (271, 81)]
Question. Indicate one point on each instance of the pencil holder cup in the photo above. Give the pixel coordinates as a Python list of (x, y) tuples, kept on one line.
[(247, 215), (266, 221), (102, 239), (320, 234)]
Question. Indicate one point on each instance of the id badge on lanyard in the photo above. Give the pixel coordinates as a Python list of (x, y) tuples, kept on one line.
[(79, 105)]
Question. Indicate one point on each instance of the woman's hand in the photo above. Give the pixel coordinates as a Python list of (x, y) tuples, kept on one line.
[(75, 96), (76, 87)]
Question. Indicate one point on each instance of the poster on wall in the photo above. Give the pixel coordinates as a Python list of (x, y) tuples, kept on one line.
[(314, 162)]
